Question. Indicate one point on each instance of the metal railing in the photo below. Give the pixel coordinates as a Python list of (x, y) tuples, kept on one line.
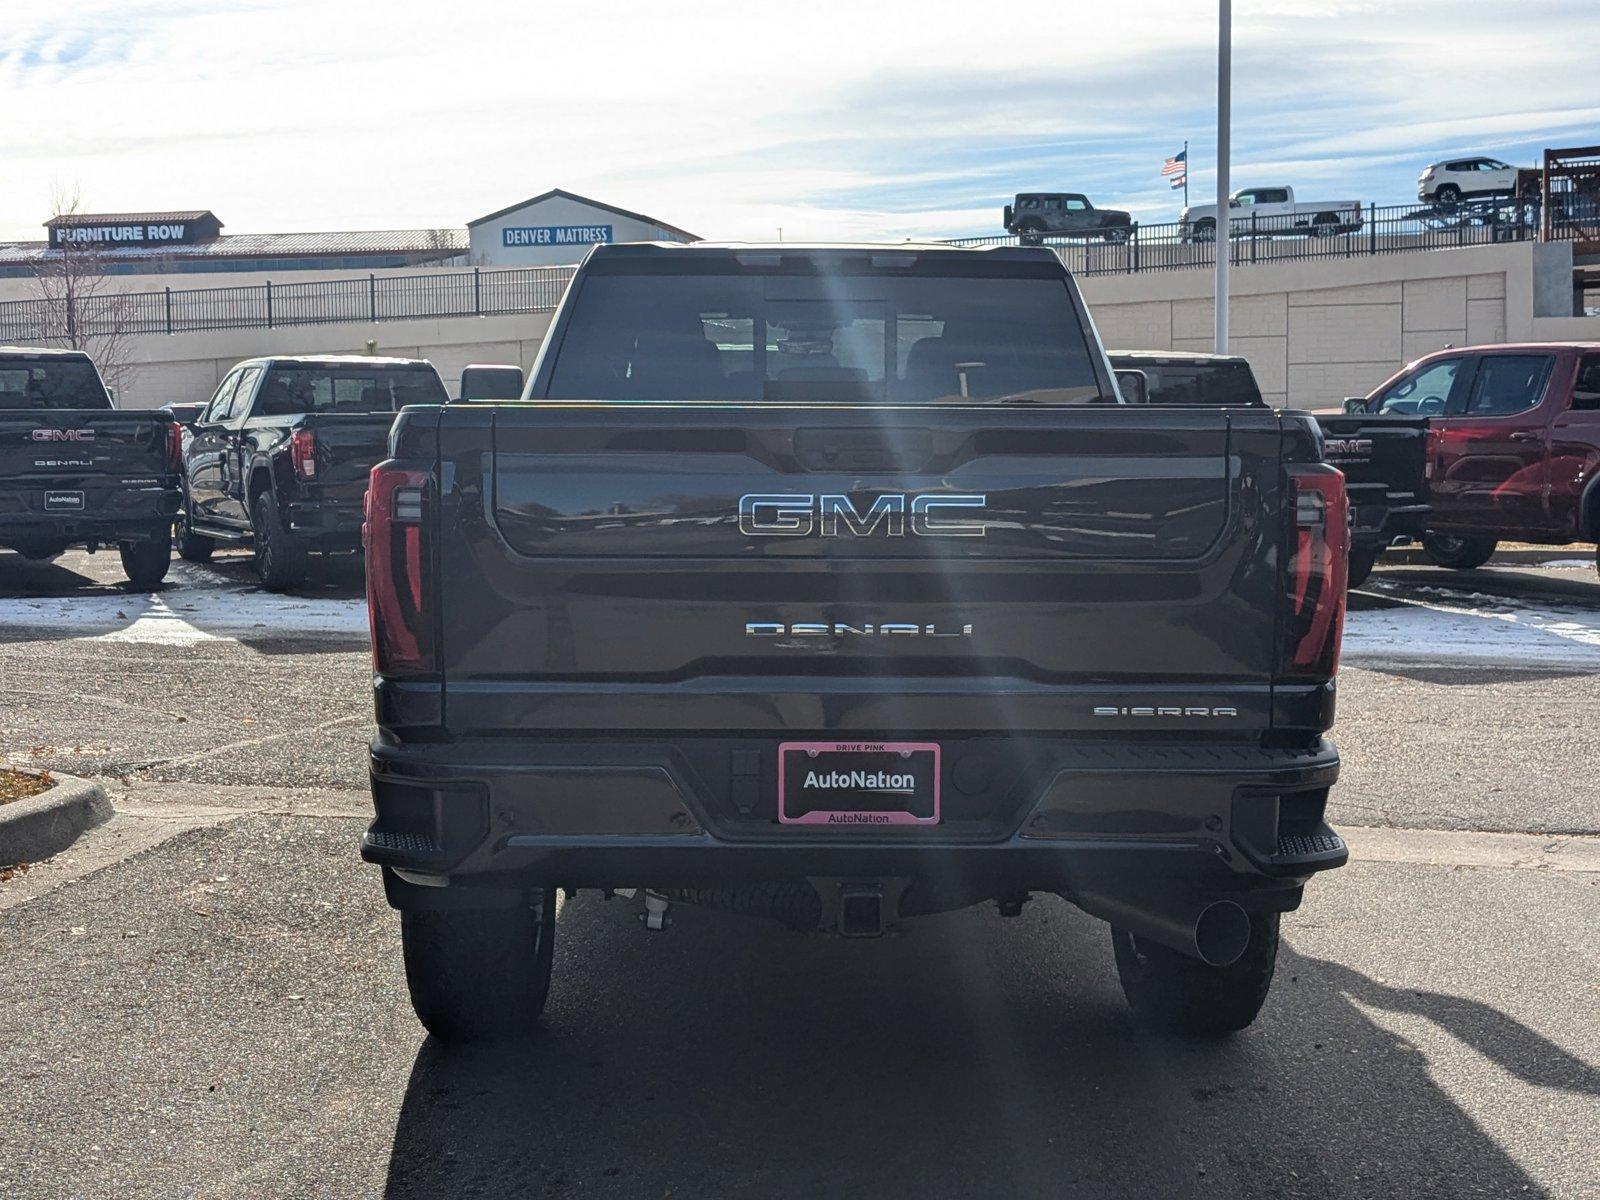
[(1373, 230), (1347, 233), (268, 305)]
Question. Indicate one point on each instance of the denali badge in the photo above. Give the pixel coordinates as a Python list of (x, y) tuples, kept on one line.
[(63, 435), (838, 629), (1188, 710), (763, 514)]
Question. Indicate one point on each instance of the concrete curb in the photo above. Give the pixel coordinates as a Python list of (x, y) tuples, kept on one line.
[(44, 825)]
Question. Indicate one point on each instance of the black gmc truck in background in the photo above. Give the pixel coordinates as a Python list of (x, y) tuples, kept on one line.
[(76, 472), (834, 585), (280, 456), (1384, 457)]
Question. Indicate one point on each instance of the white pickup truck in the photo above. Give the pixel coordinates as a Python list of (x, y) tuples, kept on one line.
[(1270, 212)]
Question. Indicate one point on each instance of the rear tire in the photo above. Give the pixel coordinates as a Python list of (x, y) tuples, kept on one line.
[(193, 547), (280, 561), (479, 975), (1458, 553), (1361, 564), (1448, 195), (1030, 232), (1174, 993), (146, 563)]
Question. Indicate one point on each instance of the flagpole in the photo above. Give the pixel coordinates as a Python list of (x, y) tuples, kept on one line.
[(1223, 245), (1186, 172)]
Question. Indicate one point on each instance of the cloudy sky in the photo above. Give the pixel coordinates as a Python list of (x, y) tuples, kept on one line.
[(827, 118)]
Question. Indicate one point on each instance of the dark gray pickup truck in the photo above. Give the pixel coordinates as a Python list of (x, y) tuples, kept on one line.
[(833, 585), (76, 472), (280, 457)]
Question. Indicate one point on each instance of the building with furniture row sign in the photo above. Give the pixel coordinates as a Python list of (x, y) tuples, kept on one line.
[(554, 228)]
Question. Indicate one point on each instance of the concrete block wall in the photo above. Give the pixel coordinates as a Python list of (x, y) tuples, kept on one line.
[(1318, 330)]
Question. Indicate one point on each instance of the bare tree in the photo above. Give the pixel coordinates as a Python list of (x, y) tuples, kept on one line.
[(77, 306)]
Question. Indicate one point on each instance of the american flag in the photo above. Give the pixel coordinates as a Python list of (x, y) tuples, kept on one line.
[(1178, 164)]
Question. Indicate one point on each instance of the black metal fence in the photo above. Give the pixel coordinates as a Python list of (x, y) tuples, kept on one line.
[(1347, 233), (1371, 230), (267, 305)]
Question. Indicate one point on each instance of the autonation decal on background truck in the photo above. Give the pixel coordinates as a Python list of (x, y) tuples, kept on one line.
[(833, 584)]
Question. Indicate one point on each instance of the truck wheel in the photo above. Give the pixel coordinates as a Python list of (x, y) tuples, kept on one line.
[(1117, 235), (1205, 230), (279, 561), (1170, 991), (1448, 195), (193, 547), (146, 563), (1458, 553), (479, 975), (1031, 232), (1361, 564)]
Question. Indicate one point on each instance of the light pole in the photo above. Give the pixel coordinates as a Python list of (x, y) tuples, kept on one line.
[(1223, 245)]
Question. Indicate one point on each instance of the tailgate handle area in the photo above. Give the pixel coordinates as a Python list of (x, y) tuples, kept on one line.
[(863, 449)]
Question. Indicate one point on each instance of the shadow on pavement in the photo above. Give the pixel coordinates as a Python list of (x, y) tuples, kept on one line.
[(971, 1057)]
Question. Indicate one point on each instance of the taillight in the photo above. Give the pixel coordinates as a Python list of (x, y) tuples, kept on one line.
[(397, 571), (1317, 571), (303, 453), (174, 447)]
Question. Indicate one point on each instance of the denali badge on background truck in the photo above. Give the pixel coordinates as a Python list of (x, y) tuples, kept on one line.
[(597, 668)]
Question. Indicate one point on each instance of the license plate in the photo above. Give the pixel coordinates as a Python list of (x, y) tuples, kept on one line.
[(858, 783), (63, 502)]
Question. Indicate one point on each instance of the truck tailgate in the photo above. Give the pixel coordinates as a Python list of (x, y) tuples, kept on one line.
[(96, 457), (599, 569), (1383, 459)]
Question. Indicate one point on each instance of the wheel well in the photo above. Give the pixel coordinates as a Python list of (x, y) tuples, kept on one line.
[(260, 481)]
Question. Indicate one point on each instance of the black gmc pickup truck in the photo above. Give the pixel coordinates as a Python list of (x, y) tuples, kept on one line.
[(76, 472), (280, 457), (832, 584), (1384, 457)]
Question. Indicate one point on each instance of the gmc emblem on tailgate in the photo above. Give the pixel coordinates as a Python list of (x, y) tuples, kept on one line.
[(799, 515), (1347, 447), (63, 435)]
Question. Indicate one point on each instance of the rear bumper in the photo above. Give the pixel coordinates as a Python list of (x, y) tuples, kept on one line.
[(1374, 526), (329, 524), (130, 514), (1207, 820)]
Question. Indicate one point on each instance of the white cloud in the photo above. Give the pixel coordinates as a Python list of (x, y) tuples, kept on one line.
[(832, 118)]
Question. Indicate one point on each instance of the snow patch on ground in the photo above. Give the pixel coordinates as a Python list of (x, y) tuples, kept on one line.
[(1434, 625), (182, 615)]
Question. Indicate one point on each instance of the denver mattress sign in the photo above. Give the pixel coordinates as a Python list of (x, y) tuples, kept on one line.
[(555, 235)]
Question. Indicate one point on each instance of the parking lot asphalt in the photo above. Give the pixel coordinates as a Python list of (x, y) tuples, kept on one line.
[(225, 1017), (204, 998)]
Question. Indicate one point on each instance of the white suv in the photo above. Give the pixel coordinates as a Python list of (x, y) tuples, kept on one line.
[(1452, 180)]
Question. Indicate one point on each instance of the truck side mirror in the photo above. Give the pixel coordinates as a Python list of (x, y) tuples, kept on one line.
[(490, 381), (1355, 404), (1134, 386)]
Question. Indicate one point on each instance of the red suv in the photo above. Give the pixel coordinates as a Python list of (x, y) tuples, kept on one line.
[(1513, 446)]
